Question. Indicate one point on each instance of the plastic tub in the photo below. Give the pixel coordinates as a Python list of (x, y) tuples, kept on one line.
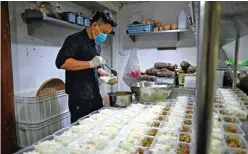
[(231, 119), (232, 129), (235, 142), (28, 134), (32, 109), (183, 148)]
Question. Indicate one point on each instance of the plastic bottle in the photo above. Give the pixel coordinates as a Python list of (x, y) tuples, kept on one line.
[(182, 20)]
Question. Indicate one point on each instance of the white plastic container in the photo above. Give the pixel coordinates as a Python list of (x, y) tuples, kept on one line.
[(182, 20), (190, 81), (27, 134), (30, 109)]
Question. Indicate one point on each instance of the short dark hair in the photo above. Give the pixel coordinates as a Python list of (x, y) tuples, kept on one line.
[(106, 16)]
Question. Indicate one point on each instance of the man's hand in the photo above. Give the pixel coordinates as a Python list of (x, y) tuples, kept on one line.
[(96, 61), (102, 72)]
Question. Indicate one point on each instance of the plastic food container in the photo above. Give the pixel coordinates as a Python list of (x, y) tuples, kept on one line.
[(152, 132), (185, 137), (147, 141), (48, 146), (186, 129), (187, 122), (183, 148), (231, 119), (232, 129), (155, 124), (235, 141)]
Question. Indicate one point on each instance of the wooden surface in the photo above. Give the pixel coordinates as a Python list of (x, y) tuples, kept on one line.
[(8, 134)]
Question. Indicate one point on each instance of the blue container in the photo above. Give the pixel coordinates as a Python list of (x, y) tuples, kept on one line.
[(79, 20), (87, 22), (70, 17), (139, 28)]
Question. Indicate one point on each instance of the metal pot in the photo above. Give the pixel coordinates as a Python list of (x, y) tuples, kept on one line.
[(120, 98), (151, 92)]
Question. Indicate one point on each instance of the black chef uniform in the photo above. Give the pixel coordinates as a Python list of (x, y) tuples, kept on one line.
[(82, 86)]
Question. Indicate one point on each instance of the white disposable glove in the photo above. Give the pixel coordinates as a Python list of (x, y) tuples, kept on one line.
[(96, 61)]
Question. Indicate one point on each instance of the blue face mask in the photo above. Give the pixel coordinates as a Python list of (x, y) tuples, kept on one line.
[(100, 38)]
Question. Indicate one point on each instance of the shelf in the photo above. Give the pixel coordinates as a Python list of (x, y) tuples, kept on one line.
[(36, 16), (133, 35)]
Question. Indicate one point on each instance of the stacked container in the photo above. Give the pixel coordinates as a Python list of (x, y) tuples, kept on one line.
[(39, 116)]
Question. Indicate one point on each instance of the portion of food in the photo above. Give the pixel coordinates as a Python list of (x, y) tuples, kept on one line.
[(152, 132), (184, 138), (231, 129), (234, 141), (188, 116), (155, 124), (185, 129), (147, 141), (183, 149)]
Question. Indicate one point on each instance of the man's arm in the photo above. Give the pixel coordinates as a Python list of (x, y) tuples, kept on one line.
[(75, 65), (65, 58)]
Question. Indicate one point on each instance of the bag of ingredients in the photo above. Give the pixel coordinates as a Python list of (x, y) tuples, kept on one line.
[(132, 70)]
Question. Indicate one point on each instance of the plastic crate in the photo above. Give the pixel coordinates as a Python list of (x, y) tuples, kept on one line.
[(33, 109), (27, 134), (139, 28)]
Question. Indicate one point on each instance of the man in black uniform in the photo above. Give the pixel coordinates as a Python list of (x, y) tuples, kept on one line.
[(80, 57)]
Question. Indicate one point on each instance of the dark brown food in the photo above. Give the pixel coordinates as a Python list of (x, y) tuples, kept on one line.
[(160, 65), (147, 141), (165, 74), (185, 129), (190, 70), (152, 71), (184, 138), (231, 129), (184, 65), (233, 141), (183, 149), (152, 132), (187, 122)]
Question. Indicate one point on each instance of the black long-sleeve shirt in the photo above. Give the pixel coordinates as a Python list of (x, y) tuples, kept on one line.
[(82, 83)]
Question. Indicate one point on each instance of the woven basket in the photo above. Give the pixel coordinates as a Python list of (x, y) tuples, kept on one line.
[(50, 87)]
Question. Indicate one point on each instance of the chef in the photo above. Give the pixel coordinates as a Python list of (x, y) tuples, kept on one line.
[(81, 60)]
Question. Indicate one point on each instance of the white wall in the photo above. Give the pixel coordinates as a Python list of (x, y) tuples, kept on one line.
[(33, 57), (166, 12), (243, 49)]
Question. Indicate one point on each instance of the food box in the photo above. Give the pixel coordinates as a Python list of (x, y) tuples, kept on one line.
[(232, 129), (183, 148), (235, 141), (185, 137), (230, 119)]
